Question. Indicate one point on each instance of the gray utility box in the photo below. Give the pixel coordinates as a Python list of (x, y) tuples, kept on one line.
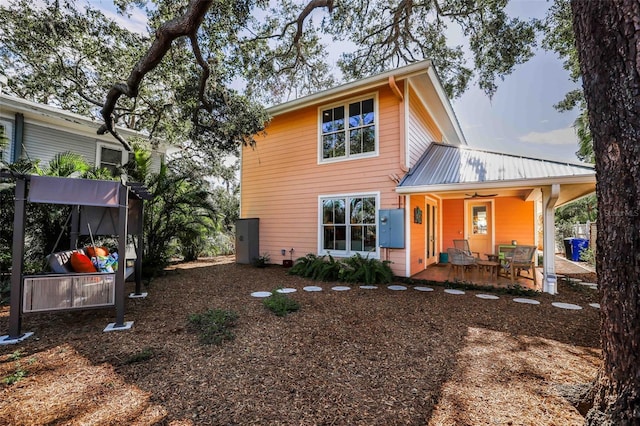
[(391, 224), (247, 240)]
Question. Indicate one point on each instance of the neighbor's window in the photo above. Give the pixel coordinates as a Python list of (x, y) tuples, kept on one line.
[(349, 129), (348, 224), (112, 158), (5, 145)]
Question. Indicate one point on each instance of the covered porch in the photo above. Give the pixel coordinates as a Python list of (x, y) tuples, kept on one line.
[(493, 200)]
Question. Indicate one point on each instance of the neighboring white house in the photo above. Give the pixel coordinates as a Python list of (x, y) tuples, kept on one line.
[(39, 132)]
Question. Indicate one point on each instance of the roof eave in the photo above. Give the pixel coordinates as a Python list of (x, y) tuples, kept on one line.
[(464, 186), (347, 89)]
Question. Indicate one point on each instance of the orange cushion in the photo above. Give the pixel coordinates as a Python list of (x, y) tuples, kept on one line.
[(81, 263), (99, 251)]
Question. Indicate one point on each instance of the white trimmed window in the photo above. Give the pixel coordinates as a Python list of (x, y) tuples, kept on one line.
[(348, 224), (348, 130), (5, 141), (111, 157)]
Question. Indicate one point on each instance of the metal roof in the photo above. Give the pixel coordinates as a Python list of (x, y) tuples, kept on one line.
[(444, 165)]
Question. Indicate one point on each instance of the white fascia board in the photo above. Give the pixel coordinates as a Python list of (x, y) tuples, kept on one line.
[(446, 103), (563, 180), (347, 89)]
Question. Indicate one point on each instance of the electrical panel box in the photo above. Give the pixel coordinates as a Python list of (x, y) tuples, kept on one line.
[(247, 240), (391, 228)]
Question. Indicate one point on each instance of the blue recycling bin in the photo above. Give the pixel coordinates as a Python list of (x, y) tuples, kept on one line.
[(578, 245)]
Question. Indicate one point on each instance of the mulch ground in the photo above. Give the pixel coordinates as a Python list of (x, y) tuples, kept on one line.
[(356, 357)]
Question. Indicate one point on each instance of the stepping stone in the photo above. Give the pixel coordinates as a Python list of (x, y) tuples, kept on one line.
[(487, 296), (453, 291), (595, 305), (396, 287), (368, 287), (340, 288), (566, 305), (286, 290), (527, 301), (423, 288), (261, 294), (312, 288)]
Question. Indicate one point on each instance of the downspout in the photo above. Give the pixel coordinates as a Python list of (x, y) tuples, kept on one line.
[(19, 141), (401, 121), (549, 199)]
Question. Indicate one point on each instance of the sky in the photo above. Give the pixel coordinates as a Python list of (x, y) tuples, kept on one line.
[(519, 119)]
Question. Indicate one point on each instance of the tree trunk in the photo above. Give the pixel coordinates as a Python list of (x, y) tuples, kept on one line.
[(608, 41)]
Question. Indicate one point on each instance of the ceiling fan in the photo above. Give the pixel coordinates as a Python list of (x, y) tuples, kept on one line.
[(476, 195)]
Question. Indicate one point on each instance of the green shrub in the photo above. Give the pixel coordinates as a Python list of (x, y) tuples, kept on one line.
[(5, 290), (214, 325), (358, 269), (588, 255), (144, 355), (323, 268), (280, 304)]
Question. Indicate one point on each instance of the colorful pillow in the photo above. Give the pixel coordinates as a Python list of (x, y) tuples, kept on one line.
[(97, 251), (81, 263)]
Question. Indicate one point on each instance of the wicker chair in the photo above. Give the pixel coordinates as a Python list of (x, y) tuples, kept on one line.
[(459, 260), (464, 246), (522, 260)]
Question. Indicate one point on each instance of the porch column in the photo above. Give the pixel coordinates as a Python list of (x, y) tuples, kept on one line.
[(550, 196)]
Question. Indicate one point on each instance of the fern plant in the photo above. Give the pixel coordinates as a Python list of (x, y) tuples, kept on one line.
[(358, 269)]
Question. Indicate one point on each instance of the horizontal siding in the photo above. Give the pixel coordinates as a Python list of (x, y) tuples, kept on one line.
[(282, 180), (44, 143), (422, 128)]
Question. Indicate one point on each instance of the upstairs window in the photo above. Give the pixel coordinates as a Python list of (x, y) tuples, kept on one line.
[(348, 130)]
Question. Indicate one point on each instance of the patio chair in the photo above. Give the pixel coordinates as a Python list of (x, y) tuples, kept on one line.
[(463, 245), (522, 259), (459, 260)]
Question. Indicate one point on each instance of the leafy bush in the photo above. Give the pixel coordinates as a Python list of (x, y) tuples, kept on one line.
[(280, 304), (588, 255), (141, 356), (356, 269), (214, 325), (323, 268), (262, 261), (5, 290)]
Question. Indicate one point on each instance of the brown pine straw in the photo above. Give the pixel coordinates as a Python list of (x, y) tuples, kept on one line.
[(367, 357)]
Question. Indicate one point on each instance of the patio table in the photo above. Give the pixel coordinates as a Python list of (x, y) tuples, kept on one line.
[(489, 266)]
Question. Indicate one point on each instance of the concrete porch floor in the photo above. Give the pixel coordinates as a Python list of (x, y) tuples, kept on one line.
[(441, 273)]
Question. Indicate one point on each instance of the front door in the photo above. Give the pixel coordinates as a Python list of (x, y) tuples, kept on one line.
[(479, 223), (431, 224)]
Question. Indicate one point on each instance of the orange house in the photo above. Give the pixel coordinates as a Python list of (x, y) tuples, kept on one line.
[(380, 167)]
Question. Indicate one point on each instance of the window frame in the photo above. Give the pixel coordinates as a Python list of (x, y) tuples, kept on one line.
[(348, 252), (124, 155), (7, 150), (345, 103)]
